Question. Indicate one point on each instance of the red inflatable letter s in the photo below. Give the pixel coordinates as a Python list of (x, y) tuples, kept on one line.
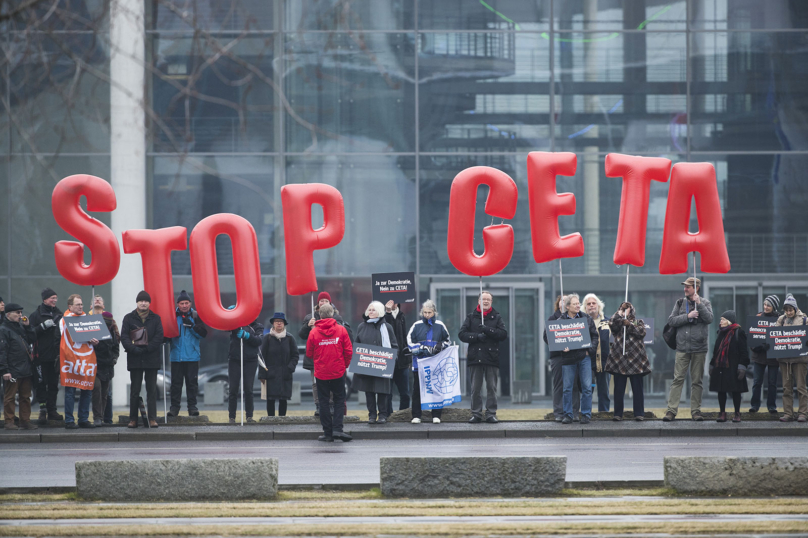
[(497, 240), (637, 174), (301, 239), (246, 266), (693, 180), (155, 248), (546, 205), (91, 232)]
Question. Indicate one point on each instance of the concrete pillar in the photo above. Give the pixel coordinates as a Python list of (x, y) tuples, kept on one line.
[(590, 164), (128, 158)]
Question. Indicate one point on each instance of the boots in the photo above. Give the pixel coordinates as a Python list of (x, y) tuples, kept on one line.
[(28, 425), (43, 416), (11, 426), (53, 415), (722, 417)]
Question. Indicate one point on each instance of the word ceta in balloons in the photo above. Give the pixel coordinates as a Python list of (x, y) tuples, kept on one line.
[(688, 180)]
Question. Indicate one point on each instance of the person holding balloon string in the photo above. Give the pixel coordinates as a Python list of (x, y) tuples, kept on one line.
[(252, 336), (631, 365)]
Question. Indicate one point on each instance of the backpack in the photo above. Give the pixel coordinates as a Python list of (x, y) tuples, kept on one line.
[(669, 333)]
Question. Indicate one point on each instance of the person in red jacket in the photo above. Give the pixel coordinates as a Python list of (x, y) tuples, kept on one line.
[(330, 347)]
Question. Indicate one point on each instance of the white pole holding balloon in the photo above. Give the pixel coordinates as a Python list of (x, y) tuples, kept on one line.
[(625, 313), (241, 383)]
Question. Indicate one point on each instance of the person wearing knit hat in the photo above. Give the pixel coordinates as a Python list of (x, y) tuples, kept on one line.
[(143, 296), (185, 356), (795, 368), (762, 366), (728, 365), (308, 323), (45, 321)]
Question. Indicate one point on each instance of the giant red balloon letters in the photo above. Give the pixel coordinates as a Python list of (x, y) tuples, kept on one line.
[(91, 232), (637, 174), (301, 239), (546, 205), (498, 239), (155, 248), (689, 181)]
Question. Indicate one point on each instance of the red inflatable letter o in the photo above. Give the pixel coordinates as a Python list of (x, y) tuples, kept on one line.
[(91, 232), (246, 267), (497, 240), (637, 174), (300, 239), (155, 248), (546, 205), (693, 180)]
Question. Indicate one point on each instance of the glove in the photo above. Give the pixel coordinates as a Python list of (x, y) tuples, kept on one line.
[(47, 324), (482, 337), (240, 334), (244, 335), (626, 323), (741, 372), (437, 348), (188, 322)]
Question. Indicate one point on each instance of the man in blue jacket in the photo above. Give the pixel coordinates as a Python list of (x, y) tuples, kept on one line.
[(185, 356)]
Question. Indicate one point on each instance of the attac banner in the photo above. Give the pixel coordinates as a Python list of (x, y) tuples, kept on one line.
[(568, 333), (787, 342), (756, 331), (439, 377), (373, 360), (396, 287), (82, 329)]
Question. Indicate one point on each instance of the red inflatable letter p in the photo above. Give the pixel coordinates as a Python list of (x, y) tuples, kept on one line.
[(91, 232), (301, 239)]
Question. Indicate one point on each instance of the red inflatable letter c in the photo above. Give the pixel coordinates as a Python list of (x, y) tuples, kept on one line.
[(498, 240)]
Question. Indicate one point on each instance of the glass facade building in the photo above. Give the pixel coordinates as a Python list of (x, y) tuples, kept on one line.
[(388, 100)]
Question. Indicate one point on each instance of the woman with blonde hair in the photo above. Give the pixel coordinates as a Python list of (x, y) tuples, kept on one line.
[(375, 331)]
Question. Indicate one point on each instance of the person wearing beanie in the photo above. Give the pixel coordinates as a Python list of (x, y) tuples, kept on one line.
[(185, 356), (762, 366), (793, 368), (728, 365), (323, 298), (142, 336), (16, 334), (45, 322)]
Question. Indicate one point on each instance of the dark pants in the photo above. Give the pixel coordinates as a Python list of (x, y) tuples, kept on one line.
[(100, 394), (490, 374), (108, 407), (620, 393), (602, 381), (558, 390), (325, 388), (47, 385), (233, 368), (771, 386), (136, 377), (401, 379), (736, 401), (416, 399), (271, 408), (22, 387), (371, 399), (187, 371)]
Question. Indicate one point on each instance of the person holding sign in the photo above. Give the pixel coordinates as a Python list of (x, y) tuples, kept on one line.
[(375, 332), (728, 365), (16, 337), (631, 366), (427, 337), (793, 368), (401, 379), (555, 370), (279, 351), (142, 337), (483, 338), (78, 368), (762, 365)]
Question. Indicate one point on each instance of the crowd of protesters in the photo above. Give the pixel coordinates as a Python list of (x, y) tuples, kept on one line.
[(33, 350)]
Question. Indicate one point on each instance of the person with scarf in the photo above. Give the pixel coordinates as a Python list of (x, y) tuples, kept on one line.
[(483, 333), (375, 331), (601, 379), (185, 356), (142, 337), (279, 352), (45, 321), (764, 366), (16, 337), (427, 337), (630, 366), (106, 354), (793, 368), (728, 365)]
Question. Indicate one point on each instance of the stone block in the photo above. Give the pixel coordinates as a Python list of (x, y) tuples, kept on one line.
[(473, 477), (214, 393), (743, 476), (178, 480)]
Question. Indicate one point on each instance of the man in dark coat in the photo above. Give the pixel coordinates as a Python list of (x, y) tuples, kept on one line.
[(16, 336), (279, 351), (106, 356), (45, 322), (323, 298), (143, 357), (251, 335), (401, 378), (483, 338)]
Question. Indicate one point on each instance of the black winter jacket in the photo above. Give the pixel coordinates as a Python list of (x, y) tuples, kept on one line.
[(399, 325), (46, 347), (251, 344), (576, 355), (483, 339), (305, 330), (726, 379), (758, 354), (15, 351), (107, 352), (143, 357), (280, 356)]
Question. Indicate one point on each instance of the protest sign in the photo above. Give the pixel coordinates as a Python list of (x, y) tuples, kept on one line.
[(396, 287), (439, 378), (788, 341), (568, 333), (82, 329), (373, 360), (756, 329)]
